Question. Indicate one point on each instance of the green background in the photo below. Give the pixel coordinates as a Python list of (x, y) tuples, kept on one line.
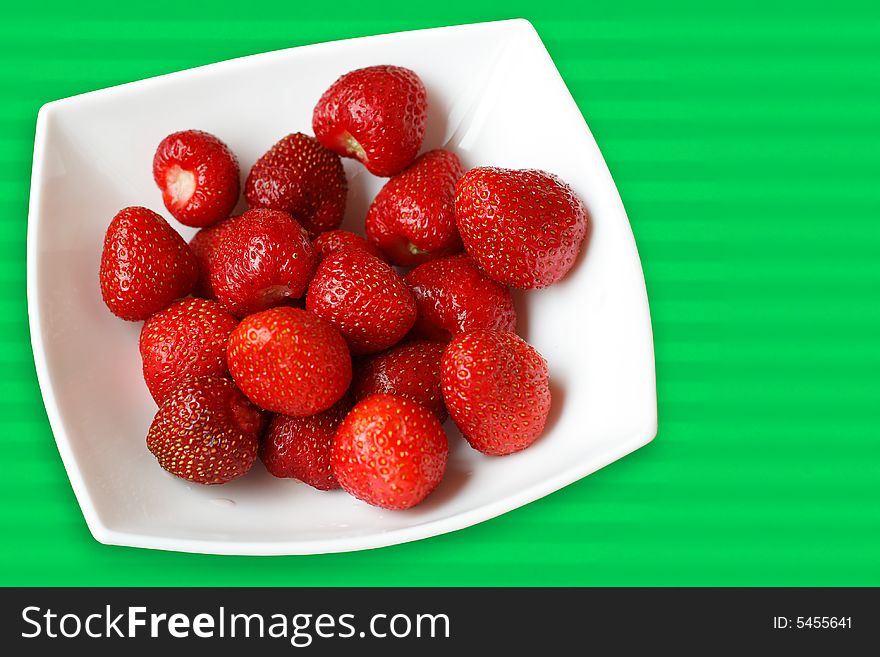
[(745, 143)]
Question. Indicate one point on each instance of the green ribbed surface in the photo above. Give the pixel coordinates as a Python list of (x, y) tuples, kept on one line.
[(746, 146)]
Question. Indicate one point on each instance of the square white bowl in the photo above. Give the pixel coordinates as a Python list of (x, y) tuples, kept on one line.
[(497, 99)]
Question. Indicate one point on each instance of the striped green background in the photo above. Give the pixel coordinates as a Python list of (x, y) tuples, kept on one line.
[(745, 143)]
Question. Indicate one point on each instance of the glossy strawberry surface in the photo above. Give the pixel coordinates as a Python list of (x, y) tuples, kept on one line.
[(303, 178), (198, 176), (412, 218), (264, 259), (204, 247), (410, 370), (496, 388), (299, 447), (364, 298), (524, 227), (454, 295), (376, 115), (145, 264), (206, 432), (390, 452), (334, 240), (289, 361), (183, 341)]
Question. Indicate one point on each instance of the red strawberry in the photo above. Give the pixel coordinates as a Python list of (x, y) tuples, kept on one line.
[(198, 176), (410, 370), (376, 115), (496, 388), (333, 240), (453, 295), (412, 218), (262, 260), (363, 298), (303, 178), (299, 447), (389, 452), (185, 340), (289, 361), (524, 227), (204, 247), (206, 432), (145, 264)]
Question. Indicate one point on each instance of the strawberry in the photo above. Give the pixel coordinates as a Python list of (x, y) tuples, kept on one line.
[(289, 361), (524, 227), (496, 388), (198, 176), (412, 218), (453, 295), (299, 447), (410, 370), (376, 115), (185, 340), (304, 179), (333, 240), (145, 264), (263, 259), (206, 431), (363, 298), (389, 452), (204, 247)]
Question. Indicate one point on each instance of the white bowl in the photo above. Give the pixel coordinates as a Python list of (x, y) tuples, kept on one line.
[(497, 99)]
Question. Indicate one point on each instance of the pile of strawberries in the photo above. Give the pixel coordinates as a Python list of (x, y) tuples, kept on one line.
[(301, 343)]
